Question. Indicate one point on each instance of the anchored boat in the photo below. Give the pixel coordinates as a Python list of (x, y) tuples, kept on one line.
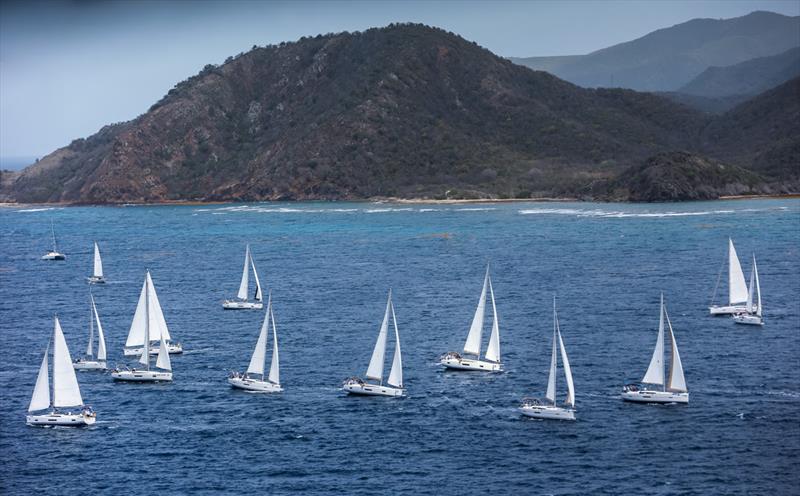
[(90, 362), (157, 325), (241, 303), (53, 255), (250, 380)]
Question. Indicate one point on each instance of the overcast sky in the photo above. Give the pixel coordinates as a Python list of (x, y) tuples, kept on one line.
[(68, 68)]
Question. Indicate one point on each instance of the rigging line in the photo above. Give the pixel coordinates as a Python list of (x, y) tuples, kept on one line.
[(719, 277)]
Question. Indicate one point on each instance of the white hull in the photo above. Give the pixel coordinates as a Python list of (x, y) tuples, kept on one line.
[(727, 310), (547, 412), (54, 255), (467, 364), (371, 389), (89, 365), (141, 376), (172, 349), (250, 384), (96, 280), (645, 396), (748, 319), (63, 419), (242, 305)]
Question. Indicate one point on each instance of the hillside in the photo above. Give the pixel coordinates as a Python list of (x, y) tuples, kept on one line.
[(405, 110), (667, 59)]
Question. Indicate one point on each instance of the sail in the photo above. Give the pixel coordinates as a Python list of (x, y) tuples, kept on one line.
[(751, 291), (375, 369), (98, 262), (737, 286), (65, 385), (136, 332), (90, 345), (158, 326), (551, 380), (655, 372), (493, 350), (758, 288), (257, 295), (101, 339), (144, 358), (677, 382), (396, 373), (41, 392), (567, 372), (473, 344), (242, 294), (274, 367), (163, 356), (260, 352)]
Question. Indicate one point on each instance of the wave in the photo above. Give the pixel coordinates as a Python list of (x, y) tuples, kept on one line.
[(619, 214), (43, 209)]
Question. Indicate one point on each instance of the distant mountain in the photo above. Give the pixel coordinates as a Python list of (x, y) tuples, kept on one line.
[(710, 105), (668, 59)]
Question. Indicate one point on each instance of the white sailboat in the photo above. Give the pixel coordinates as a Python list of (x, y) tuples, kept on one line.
[(548, 409), (148, 325), (97, 272), (454, 360), (254, 379), (90, 362), (65, 393), (674, 389), (157, 325), (53, 254), (356, 385), (241, 303), (753, 314), (737, 288)]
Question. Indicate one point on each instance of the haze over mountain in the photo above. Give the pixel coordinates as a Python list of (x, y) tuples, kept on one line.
[(668, 59)]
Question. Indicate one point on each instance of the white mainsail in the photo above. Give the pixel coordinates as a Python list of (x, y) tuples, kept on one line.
[(396, 373), (493, 350), (242, 294), (101, 339), (274, 368), (737, 285), (260, 352), (41, 392), (655, 372), (375, 369), (157, 324), (65, 385), (677, 382), (473, 344), (758, 288), (98, 262), (551, 380), (751, 290)]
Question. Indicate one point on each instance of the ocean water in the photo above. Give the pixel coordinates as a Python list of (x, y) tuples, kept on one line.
[(329, 266)]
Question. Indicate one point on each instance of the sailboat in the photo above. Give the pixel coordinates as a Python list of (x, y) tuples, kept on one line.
[(356, 385), (241, 302), (65, 393), (737, 289), (753, 314), (250, 380), (157, 325), (548, 409), (89, 362), (97, 273), (53, 254), (674, 389), (453, 360), (148, 325)]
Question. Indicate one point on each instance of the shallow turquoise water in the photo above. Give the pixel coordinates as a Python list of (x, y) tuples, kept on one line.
[(329, 266)]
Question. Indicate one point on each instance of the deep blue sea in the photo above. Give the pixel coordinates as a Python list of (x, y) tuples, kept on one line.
[(329, 266)]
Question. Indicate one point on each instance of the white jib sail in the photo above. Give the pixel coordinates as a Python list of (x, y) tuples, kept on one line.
[(65, 385), (396, 373), (758, 288), (136, 332), (567, 372), (493, 350), (375, 369), (158, 326), (751, 291), (260, 352), (274, 367), (473, 344), (258, 295), (655, 372), (90, 345), (98, 262), (242, 294), (737, 285), (101, 339), (677, 382), (41, 392), (163, 356), (551, 379)]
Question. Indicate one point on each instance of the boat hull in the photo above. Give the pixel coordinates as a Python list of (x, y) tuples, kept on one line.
[(473, 365), (727, 310), (645, 396), (254, 385), (547, 412), (748, 319), (54, 256), (62, 419), (242, 305), (89, 365), (96, 280), (371, 390), (172, 349), (141, 376)]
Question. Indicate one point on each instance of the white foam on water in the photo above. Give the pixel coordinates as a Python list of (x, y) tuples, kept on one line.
[(619, 214), (43, 209)]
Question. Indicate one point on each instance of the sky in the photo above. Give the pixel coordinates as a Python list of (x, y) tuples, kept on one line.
[(68, 68)]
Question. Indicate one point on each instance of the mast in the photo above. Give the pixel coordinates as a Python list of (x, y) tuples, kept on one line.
[(551, 379), (145, 358), (758, 288)]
